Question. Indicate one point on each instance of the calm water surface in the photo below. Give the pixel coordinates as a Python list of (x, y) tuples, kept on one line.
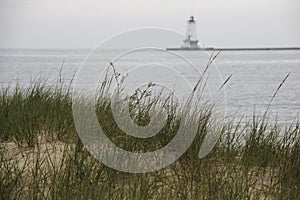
[(255, 75)]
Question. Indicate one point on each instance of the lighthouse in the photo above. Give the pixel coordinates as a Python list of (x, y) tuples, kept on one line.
[(190, 41)]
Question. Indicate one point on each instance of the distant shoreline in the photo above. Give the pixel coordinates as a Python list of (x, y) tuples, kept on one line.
[(236, 49)]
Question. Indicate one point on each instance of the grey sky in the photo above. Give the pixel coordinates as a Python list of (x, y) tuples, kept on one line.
[(85, 23)]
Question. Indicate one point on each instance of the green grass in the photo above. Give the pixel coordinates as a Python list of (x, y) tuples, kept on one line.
[(41, 156)]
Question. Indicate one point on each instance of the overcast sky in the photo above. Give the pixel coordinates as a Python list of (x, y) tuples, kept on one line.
[(85, 23)]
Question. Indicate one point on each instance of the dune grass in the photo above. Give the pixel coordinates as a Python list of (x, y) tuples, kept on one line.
[(41, 156)]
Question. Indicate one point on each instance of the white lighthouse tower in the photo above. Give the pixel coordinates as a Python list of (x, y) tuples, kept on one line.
[(190, 41)]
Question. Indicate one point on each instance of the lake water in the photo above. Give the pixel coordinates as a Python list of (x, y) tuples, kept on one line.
[(255, 74)]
